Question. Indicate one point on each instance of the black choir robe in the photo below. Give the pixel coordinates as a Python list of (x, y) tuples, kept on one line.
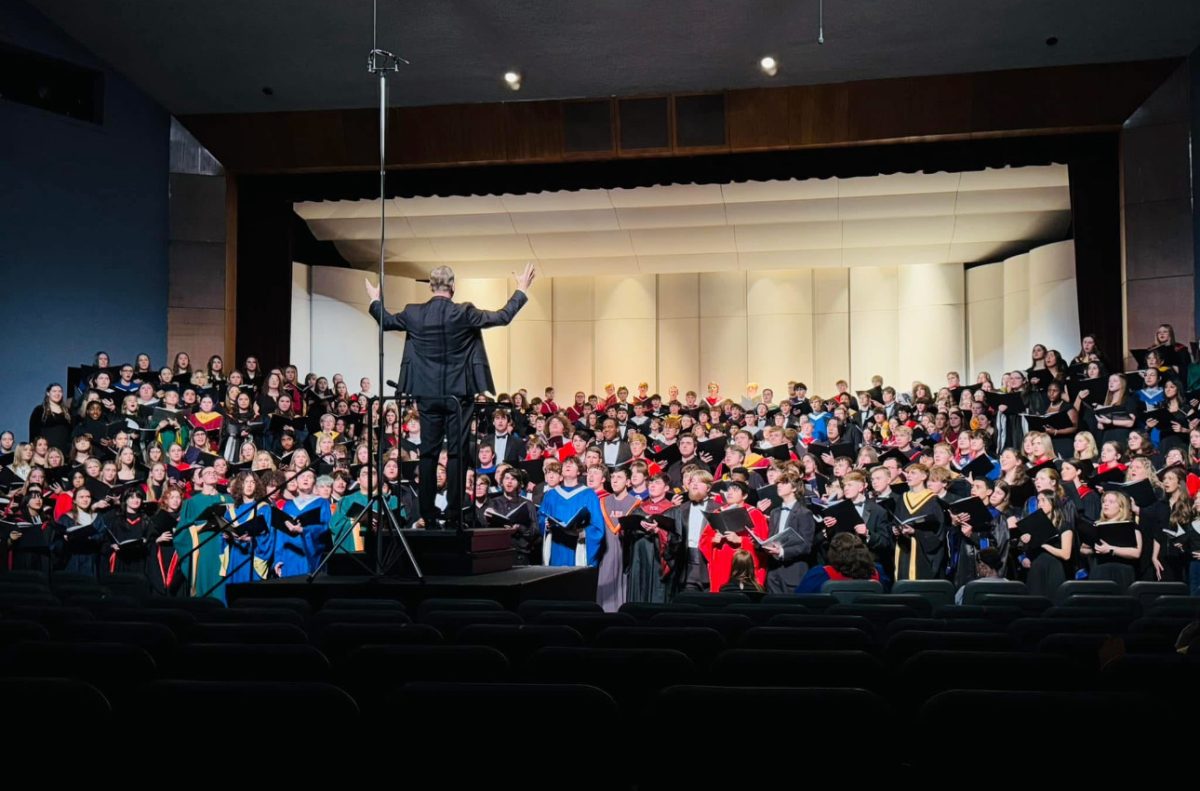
[(921, 556)]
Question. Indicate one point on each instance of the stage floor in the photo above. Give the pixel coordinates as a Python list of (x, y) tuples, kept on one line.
[(510, 587)]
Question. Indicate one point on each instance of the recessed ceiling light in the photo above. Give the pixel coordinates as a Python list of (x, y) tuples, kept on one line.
[(268, 90), (769, 66), (1050, 42), (513, 80)]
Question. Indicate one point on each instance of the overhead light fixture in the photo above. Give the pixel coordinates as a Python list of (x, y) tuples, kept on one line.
[(769, 66), (513, 80)]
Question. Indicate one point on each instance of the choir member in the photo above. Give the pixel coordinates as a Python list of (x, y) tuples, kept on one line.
[(562, 504), (651, 553), (921, 543), (718, 548), (198, 544), (790, 529)]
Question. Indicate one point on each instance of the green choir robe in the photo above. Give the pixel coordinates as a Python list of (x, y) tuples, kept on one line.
[(201, 554)]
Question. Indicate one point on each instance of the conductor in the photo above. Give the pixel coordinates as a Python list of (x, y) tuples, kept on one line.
[(444, 367)]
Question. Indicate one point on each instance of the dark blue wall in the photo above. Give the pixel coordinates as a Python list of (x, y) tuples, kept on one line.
[(83, 228)]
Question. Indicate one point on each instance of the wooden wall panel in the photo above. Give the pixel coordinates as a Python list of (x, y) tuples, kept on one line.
[(1056, 99)]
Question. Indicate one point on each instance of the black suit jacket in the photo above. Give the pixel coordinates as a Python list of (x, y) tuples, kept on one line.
[(443, 352), (514, 448), (624, 454), (797, 545)]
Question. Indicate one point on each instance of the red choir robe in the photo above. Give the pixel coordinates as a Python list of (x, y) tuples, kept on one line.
[(719, 552)]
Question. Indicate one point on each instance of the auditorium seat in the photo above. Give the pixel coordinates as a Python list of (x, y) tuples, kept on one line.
[(371, 671), (234, 662), (937, 592), (1121, 605), (929, 672), (920, 606), (247, 633), (296, 605), (906, 644), (518, 641), (254, 615), (338, 639), (195, 606), (60, 578), (846, 591), (114, 668), (644, 611), (51, 616), (1169, 676), (1090, 587), (510, 709), (1167, 626), (940, 625), (879, 614), (450, 605), (974, 589), (1048, 724), (15, 631), (11, 601), (178, 621), (774, 667), (362, 604), (101, 601), (1031, 631), (730, 625), (326, 617), (813, 601), (807, 639), (1093, 651), (588, 624), (631, 675), (220, 704), (819, 722), (25, 576), (158, 640), (1148, 592), (21, 588), (448, 622), (531, 609), (1117, 621), (1028, 604), (761, 613), (1176, 607), (90, 590), (821, 621), (700, 643), (705, 599), (44, 705), (1001, 614), (127, 584)]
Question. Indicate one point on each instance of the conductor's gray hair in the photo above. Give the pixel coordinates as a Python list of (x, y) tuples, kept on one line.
[(441, 279)]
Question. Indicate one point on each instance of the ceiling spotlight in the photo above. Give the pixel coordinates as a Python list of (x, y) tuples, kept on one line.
[(513, 80), (1053, 40), (769, 66)]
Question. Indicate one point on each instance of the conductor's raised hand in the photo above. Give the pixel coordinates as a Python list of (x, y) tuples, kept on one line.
[(525, 279), (372, 291)]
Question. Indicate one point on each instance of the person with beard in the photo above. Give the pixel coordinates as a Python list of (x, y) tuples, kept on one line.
[(691, 523)]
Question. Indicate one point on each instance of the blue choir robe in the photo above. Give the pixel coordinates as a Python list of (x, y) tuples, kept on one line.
[(300, 554), (247, 561), (562, 504)]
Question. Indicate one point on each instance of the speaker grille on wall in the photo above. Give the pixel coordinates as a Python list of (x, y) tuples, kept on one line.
[(700, 120), (587, 126), (51, 84), (645, 123)]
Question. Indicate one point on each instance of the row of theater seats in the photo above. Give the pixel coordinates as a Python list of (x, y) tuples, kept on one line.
[(832, 662)]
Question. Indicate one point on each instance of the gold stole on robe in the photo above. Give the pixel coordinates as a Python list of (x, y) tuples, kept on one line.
[(913, 502)]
